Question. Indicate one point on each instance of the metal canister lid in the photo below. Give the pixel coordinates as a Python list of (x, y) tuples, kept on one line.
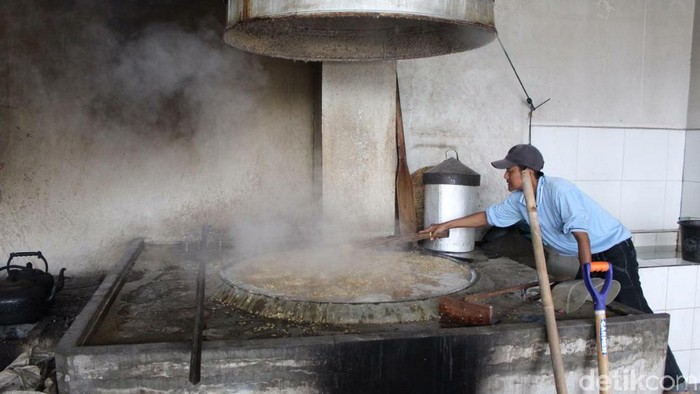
[(451, 172)]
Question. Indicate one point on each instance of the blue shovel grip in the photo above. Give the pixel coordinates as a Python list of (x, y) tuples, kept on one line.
[(598, 266)]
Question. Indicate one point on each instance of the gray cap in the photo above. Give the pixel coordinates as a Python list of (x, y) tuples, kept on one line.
[(524, 155)]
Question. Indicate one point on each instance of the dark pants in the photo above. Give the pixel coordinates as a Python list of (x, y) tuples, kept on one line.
[(623, 258)]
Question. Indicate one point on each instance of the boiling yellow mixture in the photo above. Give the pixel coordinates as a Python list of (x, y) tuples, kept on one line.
[(349, 275)]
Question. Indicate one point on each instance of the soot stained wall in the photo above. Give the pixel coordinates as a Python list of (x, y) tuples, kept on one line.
[(123, 119)]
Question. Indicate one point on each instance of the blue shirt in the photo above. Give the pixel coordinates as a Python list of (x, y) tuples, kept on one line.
[(562, 208)]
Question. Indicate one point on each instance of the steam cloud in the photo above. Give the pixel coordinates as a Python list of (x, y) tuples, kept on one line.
[(125, 126), (122, 126), (159, 78)]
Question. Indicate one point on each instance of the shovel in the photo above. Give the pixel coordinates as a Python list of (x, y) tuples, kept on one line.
[(570, 295), (599, 299)]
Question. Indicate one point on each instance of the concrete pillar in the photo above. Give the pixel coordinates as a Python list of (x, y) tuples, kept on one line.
[(358, 137)]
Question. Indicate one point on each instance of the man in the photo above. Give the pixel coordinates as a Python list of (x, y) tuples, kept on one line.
[(573, 225)]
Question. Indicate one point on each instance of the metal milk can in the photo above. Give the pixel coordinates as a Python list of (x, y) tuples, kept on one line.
[(450, 193)]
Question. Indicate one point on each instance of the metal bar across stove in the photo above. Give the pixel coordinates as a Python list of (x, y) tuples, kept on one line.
[(196, 355)]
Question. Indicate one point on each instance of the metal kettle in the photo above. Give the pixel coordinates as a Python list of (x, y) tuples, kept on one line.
[(27, 292), (450, 193)]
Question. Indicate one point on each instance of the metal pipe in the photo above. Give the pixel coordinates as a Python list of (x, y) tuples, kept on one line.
[(196, 355)]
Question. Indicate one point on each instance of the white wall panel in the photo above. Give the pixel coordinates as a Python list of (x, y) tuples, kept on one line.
[(691, 167), (606, 193), (642, 204), (600, 154), (559, 146), (676, 155), (645, 155), (690, 200), (672, 204)]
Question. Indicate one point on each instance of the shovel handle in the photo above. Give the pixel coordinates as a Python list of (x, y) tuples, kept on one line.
[(601, 325), (599, 266), (598, 297), (601, 332)]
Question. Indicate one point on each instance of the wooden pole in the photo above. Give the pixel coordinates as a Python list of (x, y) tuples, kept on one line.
[(543, 277), (406, 205)]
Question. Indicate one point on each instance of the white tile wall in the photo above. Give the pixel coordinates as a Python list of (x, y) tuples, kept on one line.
[(695, 339), (681, 330), (605, 193), (672, 205), (599, 154), (682, 282), (676, 148), (654, 281), (692, 375), (559, 146), (690, 205), (697, 291), (644, 239), (642, 204), (683, 360), (691, 169), (667, 238), (645, 155), (674, 290), (647, 179), (690, 200), (632, 173)]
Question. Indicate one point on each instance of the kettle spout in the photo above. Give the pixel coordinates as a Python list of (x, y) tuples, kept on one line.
[(58, 285)]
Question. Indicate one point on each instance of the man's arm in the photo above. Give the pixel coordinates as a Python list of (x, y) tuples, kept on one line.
[(584, 246), (471, 221)]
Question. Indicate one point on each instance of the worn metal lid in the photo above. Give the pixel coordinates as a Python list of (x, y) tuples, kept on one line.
[(451, 172), (359, 30)]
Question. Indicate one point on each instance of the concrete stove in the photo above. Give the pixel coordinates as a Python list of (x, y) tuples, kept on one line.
[(135, 335)]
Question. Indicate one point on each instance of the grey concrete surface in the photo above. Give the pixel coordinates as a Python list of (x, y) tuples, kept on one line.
[(358, 130), (694, 90)]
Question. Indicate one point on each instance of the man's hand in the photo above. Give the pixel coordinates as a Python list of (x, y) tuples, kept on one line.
[(435, 229)]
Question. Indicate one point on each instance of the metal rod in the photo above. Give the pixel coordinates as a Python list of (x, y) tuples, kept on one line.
[(196, 355), (528, 100), (527, 96)]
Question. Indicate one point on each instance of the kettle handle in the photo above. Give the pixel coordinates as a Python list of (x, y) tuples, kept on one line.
[(29, 254), (15, 267), (453, 150)]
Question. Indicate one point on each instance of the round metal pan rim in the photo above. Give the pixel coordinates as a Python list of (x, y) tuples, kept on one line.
[(394, 36), (473, 276), (407, 308), (332, 313)]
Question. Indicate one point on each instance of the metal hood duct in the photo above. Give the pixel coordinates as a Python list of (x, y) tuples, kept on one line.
[(359, 30)]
